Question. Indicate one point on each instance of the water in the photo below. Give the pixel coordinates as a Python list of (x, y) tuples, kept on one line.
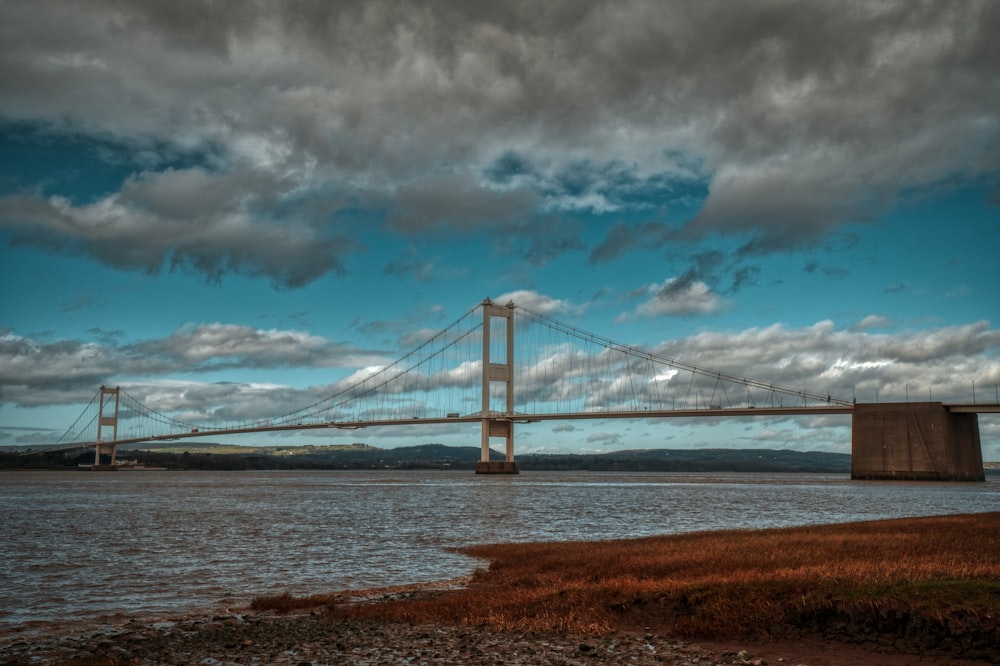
[(78, 547)]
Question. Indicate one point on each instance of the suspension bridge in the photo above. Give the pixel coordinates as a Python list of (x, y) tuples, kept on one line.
[(471, 372)]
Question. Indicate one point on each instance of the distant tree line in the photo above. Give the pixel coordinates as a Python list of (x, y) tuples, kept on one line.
[(228, 461), (436, 456)]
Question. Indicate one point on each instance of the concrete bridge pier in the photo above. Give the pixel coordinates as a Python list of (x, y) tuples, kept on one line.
[(915, 441), (497, 428)]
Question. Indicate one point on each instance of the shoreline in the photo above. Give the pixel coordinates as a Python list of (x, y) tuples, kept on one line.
[(469, 620), (244, 636), (315, 638)]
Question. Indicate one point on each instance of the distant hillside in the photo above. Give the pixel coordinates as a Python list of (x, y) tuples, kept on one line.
[(695, 460), (216, 448), (439, 456), (422, 456)]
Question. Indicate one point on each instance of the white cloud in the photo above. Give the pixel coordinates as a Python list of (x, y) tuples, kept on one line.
[(605, 438), (677, 296), (562, 378), (577, 376), (872, 322), (34, 373), (538, 303), (824, 359)]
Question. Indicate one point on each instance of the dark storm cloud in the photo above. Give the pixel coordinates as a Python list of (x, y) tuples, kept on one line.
[(540, 240), (776, 122), (508, 167), (623, 237), (207, 222), (456, 204), (828, 271), (410, 266), (744, 276)]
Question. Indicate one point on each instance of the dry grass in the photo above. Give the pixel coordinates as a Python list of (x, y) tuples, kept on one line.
[(935, 571), (286, 603)]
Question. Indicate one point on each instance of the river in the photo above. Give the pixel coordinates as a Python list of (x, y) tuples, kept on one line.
[(85, 547)]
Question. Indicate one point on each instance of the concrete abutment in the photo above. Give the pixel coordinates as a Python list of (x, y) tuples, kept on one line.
[(915, 441), (497, 467)]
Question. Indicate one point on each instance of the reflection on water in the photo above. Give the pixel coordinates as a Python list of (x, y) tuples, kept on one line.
[(80, 546)]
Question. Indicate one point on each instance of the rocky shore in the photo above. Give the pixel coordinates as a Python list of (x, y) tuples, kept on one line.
[(315, 638), (429, 620)]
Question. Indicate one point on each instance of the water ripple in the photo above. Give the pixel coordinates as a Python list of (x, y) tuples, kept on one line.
[(83, 546)]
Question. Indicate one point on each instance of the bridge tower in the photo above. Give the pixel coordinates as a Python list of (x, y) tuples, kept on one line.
[(107, 417), (498, 371), (918, 441)]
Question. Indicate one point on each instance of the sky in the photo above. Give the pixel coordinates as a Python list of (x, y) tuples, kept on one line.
[(244, 203)]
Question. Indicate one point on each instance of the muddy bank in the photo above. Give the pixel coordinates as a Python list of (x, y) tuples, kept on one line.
[(316, 638)]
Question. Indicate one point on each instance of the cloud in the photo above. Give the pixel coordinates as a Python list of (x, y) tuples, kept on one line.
[(455, 202), (828, 271), (578, 375), (802, 438), (623, 237), (846, 364), (34, 373), (872, 321), (202, 403), (605, 438), (679, 296), (205, 222), (416, 265), (209, 346), (538, 303), (62, 372), (744, 276), (777, 124), (897, 287), (849, 363), (708, 266), (408, 331), (540, 240)]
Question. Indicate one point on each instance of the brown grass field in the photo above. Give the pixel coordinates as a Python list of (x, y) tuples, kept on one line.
[(924, 584)]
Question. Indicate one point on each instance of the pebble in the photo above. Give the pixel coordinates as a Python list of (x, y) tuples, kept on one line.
[(316, 640)]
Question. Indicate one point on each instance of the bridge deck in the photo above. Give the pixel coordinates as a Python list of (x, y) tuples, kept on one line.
[(711, 412), (973, 408)]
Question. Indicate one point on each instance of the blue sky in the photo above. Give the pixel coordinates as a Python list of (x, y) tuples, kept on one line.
[(264, 199)]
